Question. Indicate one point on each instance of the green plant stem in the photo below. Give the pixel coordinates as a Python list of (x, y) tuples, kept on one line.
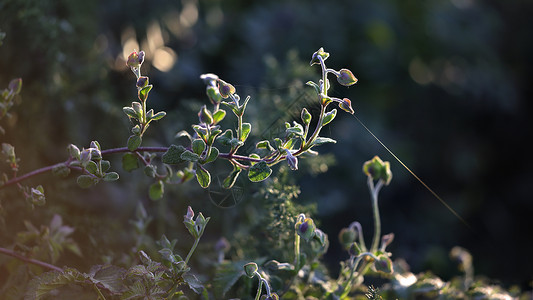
[(196, 241), (259, 287), (30, 260), (296, 251), (374, 191), (352, 277)]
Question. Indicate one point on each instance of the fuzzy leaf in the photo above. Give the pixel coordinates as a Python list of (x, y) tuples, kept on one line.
[(213, 155), (110, 277), (218, 116), (111, 176), (198, 146), (130, 162), (232, 178), (203, 176), (189, 156), (156, 190), (173, 155), (143, 93), (158, 116), (134, 141), (323, 140), (259, 172), (86, 181), (329, 116), (91, 167), (246, 128)]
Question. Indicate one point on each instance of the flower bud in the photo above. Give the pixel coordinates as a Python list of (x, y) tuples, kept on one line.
[(142, 81), (15, 85), (306, 228), (346, 105), (85, 156), (135, 59), (225, 88), (222, 245), (272, 296), (321, 53), (347, 236), (386, 240), (213, 94), (209, 79), (73, 151), (190, 214), (384, 264), (377, 169), (292, 160), (346, 77), (354, 249), (250, 269)]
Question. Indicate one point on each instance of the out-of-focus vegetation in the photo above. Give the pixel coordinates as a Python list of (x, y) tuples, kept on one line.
[(444, 83)]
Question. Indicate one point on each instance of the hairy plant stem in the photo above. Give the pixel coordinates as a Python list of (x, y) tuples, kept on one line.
[(374, 191), (30, 260), (353, 275), (296, 251)]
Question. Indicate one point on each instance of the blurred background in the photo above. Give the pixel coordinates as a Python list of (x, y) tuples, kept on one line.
[(443, 83)]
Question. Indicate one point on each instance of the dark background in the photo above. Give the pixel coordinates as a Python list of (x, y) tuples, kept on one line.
[(445, 84)]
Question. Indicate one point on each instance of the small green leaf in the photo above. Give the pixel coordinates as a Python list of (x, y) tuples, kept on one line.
[(134, 141), (92, 168), (105, 165), (232, 178), (130, 112), (218, 116), (204, 115), (130, 162), (264, 145), (111, 176), (86, 181), (225, 138), (156, 190), (213, 154), (190, 156), (313, 84), (159, 116), (138, 108), (150, 171), (329, 116), (246, 128), (203, 176), (306, 116), (198, 146), (323, 140), (173, 155), (143, 93), (259, 172)]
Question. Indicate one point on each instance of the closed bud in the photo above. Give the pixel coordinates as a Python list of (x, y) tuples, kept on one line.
[(222, 245), (383, 264), (377, 169), (95, 145), (225, 88), (133, 60), (250, 269), (15, 85), (386, 240), (85, 156), (292, 160), (142, 81), (306, 116), (209, 79), (320, 53), (346, 105), (190, 214), (306, 229), (73, 151), (346, 77), (347, 236), (354, 249), (272, 296)]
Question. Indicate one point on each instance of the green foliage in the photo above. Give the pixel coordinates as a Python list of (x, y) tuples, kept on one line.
[(280, 247)]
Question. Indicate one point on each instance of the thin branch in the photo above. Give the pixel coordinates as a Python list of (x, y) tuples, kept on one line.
[(228, 156), (30, 260)]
